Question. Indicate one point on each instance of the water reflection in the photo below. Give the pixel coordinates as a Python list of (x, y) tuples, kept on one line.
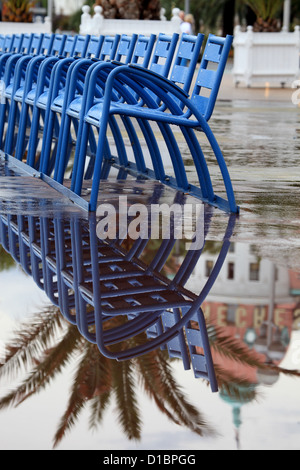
[(250, 308), (110, 293)]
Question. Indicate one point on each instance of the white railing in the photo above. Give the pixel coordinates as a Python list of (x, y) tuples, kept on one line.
[(97, 24), (266, 57)]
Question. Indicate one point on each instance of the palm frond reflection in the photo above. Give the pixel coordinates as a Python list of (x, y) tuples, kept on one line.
[(40, 352)]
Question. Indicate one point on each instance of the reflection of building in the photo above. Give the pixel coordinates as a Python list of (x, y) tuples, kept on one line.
[(256, 302), (230, 397), (252, 299)]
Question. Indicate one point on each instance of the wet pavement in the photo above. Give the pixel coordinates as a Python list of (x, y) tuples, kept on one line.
[(254, 302)]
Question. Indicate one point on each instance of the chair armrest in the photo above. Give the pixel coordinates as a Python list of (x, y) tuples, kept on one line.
[(159, 77)]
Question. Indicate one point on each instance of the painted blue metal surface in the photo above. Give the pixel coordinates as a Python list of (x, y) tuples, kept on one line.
[(74, 83), (189, 114), (69, 109)]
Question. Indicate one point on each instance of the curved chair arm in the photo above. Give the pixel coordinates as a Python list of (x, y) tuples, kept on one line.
[(175, 100)]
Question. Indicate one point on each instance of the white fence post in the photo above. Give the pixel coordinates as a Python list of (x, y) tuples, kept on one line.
[(266, 57), (97, 24), (85, 20)]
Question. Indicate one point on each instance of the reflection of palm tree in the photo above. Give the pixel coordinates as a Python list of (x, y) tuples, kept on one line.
[(238, 351), (47, 344)]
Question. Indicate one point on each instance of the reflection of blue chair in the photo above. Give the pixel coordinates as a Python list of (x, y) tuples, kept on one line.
[(144, 300), (187, 115), (108, 290)]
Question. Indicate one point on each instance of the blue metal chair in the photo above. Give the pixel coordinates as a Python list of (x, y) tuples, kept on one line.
[(26, 68), (59, 47), (6, 43), (52, 75), (73, 100), (16, 47), (35, 90), (14, 76), (59, 86), (177, 109), (185, 62), (184, 65), (23, 47), (2, 42), (129, 298)]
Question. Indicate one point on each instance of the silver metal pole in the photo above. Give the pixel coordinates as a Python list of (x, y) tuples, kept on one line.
[(286, 15), (187, 6)]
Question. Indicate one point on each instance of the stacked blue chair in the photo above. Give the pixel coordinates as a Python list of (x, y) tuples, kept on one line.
[(161, 62), (51, 72), (110, 96), (14, 76), (26, 68), (16, 47), (6, 43), (185, 61), (70, 107), (37, 79), (188, 114), (59, 86), (56, 46)]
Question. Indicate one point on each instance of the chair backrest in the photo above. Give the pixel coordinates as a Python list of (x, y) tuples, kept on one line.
[(58, 44), (186, 60), (109, 47), (94, 47), (17, 43), (36, 43), (8, 43), (80, 45), (210, 73), (143, 50), (46, 46), (69, 46), (163, 54), (125, 48), (26, 43)]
